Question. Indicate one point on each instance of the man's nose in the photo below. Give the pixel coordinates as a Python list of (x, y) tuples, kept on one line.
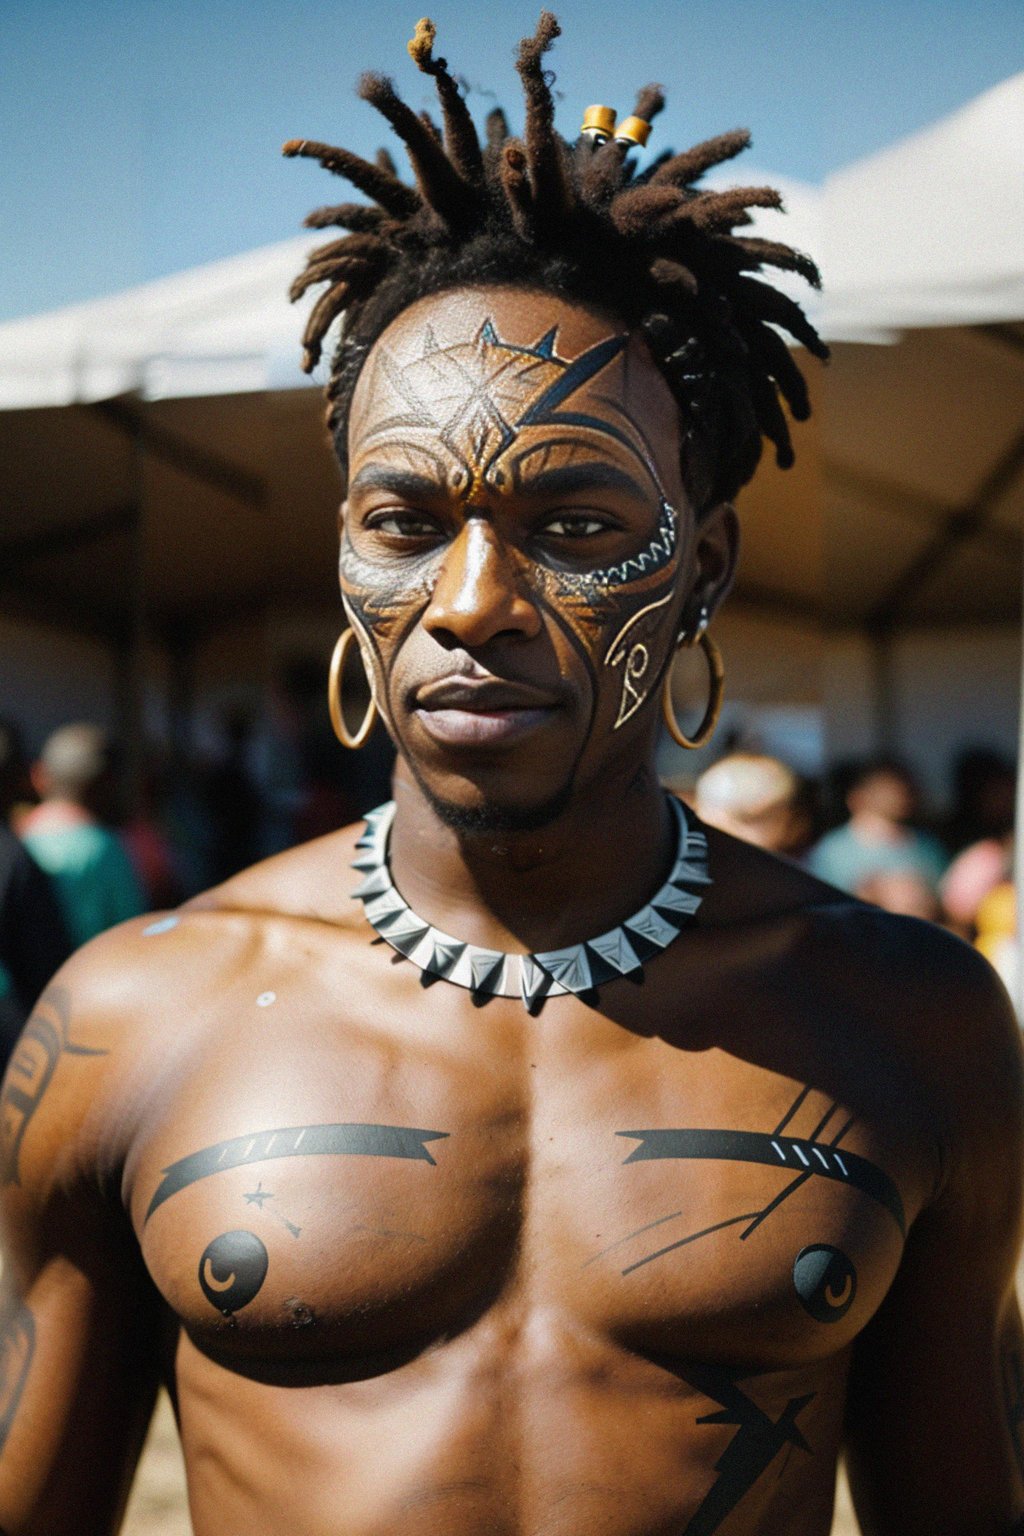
[(479, 592)]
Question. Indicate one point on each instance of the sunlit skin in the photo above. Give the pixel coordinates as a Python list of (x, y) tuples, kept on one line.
[(638, 1266)]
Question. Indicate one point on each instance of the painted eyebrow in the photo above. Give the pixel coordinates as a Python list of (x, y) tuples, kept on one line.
[(400, 482), (570, 478)]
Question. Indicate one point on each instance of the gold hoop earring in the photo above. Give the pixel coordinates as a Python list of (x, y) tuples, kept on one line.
[(716, 673), (341, 730)]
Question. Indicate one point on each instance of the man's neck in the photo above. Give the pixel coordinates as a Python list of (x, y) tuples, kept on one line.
[(591, 867)]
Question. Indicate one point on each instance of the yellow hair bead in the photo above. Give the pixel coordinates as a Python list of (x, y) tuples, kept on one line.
[(600, 121), (633, 130)]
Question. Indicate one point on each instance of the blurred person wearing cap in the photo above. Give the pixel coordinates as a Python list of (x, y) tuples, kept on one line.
[(65, 834), (759, 799)]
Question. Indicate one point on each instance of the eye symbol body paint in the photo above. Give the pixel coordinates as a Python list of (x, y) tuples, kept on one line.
[(825, 1281), (232, 1270), (629, 650)]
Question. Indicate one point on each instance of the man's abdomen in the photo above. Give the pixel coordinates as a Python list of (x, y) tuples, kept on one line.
[(525, 1424)]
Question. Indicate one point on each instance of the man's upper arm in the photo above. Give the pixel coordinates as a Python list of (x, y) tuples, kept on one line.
[(77, 1321), (936, 1403)]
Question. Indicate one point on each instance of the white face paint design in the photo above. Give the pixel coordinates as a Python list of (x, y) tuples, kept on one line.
[(479, 422)]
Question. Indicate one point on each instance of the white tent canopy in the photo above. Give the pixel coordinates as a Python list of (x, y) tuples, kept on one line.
[(930, 231), (178, 404), (220, 329), (227, 327)]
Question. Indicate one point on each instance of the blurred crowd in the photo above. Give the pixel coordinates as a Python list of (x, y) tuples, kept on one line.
[(85, 844), (89, 838), (863, 829)]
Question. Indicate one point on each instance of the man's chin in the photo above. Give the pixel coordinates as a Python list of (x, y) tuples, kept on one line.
[(484, 815)]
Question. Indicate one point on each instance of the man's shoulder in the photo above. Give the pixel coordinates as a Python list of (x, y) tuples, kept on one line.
[(138, 1005), (128, 977), (922, 1011), (311, 882), (911, 978), (751, 885)]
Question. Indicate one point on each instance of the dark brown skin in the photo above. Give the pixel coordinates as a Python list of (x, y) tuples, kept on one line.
[(496, 1319)]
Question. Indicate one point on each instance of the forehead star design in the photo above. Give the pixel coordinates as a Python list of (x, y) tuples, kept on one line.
[(479, 397)]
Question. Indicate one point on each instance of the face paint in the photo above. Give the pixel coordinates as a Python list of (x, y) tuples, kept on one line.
[(534, 460)]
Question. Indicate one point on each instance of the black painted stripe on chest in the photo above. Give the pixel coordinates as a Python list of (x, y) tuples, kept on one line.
[(295, 1141), (792, 1153)]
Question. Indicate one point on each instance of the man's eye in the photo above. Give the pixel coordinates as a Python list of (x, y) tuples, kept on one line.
[(407, 525), (575, 526)]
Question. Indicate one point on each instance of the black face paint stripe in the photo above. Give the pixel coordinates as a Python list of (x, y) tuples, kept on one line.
[(792, 1153), (295, 1141), (578, 646), (578, 372)]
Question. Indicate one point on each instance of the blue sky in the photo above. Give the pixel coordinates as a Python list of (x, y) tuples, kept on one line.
[(141, 137)]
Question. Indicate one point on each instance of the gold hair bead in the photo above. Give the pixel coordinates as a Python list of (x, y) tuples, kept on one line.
[(632, 130), (599, 123)]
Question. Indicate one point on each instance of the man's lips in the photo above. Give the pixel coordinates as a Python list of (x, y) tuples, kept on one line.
[(484, 694), (460, 711)]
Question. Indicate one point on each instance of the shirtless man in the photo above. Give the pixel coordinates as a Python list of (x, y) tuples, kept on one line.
[(435, 1221)]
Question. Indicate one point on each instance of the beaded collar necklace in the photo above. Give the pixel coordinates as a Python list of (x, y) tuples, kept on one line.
[(487, 973)]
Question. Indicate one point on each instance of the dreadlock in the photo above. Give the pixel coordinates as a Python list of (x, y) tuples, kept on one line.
[(652, 248)]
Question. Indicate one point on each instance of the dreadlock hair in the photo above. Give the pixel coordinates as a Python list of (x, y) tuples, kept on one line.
[(651, 248)]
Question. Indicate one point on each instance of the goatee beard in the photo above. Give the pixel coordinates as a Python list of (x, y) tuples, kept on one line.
[(491, 816)]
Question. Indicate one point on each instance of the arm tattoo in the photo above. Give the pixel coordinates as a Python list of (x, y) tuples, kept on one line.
[(46, 1037), (294, 1141), (17, 1346)]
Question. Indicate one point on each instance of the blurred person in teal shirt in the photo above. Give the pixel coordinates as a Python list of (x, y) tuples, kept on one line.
[(66, 835), (879, 840)]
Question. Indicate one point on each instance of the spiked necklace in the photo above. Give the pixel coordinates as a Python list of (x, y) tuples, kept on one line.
[(487, 973)]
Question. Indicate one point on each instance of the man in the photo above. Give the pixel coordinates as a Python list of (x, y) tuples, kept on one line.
[(434, 1217), (65, 834)]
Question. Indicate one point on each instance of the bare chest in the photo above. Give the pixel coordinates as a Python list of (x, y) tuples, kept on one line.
[(357, 1195)]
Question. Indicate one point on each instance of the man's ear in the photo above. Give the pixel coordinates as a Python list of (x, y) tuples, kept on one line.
[(717, 550)]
